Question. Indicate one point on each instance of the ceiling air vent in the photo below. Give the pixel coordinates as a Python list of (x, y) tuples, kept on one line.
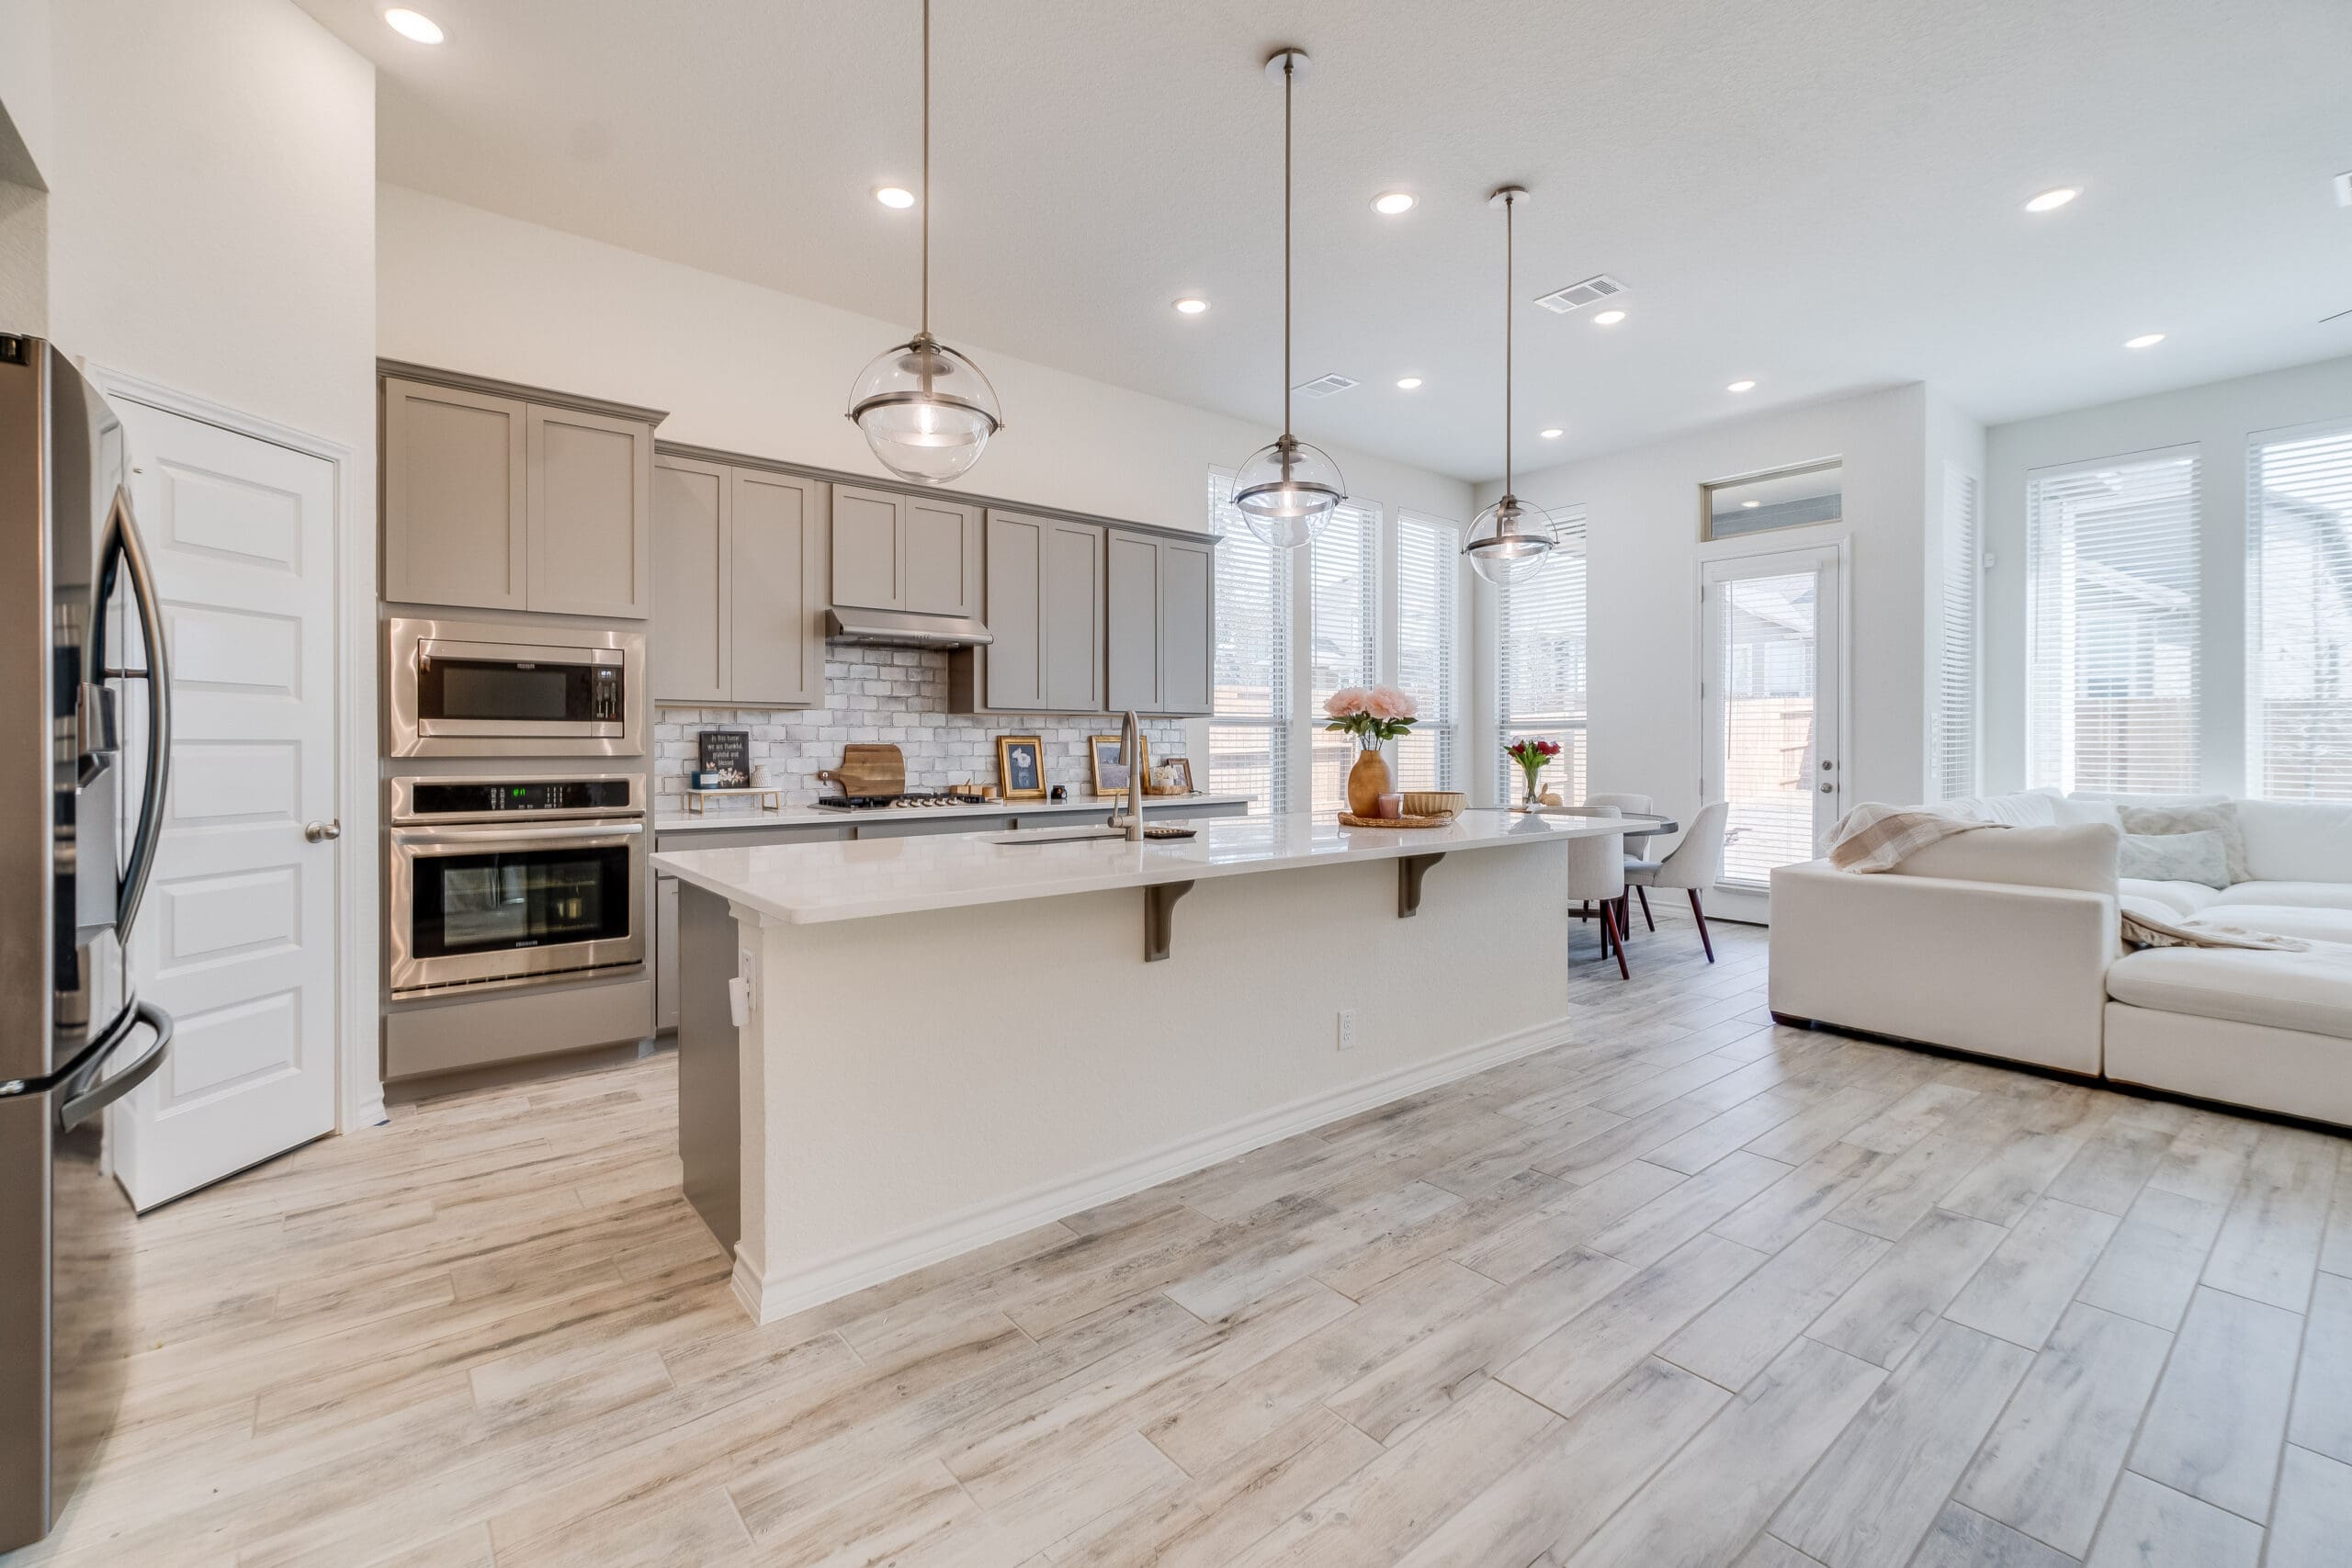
[(1323, 387), (1577, 296)]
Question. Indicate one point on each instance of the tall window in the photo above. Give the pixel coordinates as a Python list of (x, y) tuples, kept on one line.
[(1429, 600), (1539, 682), (1954, 720), (1250, 727), (2112, 596), (1342, 648), (2298, 615)]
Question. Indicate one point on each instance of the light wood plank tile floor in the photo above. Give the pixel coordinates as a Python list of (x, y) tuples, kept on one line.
[(1691, 1289)]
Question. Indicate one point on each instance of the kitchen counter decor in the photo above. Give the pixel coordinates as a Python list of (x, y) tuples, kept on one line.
[(1374, 716)]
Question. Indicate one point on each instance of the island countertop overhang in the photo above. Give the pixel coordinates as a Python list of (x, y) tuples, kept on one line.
[(862, 879)]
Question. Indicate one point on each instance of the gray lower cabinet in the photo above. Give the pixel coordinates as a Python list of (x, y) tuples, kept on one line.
[(740, 584), (1160, 604), (665, 952), (1044, 608), (495, 500), (892, 551)]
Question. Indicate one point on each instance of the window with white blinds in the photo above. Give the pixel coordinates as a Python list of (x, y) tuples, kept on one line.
[(1540, 681), (2112, 612), (2299, 614), (1342, 645), (1251, 721), (1429, 608), (1954, 722)]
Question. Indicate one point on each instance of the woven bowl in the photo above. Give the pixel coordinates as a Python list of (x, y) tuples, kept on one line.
[(1434, 802)]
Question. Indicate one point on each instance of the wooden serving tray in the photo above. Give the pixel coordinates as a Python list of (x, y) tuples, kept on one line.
[(1350, 819), (870, 768)]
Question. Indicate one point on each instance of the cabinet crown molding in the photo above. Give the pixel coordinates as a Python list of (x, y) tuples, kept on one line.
[(546, 397)]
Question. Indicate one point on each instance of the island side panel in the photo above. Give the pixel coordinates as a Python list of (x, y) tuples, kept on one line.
[(942, 1079), (709, 1063)]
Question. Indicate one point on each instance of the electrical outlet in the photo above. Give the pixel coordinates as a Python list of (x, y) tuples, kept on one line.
[(747, 969), (1347, 1029)]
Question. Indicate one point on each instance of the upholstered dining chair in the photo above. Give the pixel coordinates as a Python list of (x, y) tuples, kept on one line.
[(1696, 862), (1597, 876), (1631, 805)]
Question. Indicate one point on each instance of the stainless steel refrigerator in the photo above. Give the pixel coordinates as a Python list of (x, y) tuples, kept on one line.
[(82, 666)]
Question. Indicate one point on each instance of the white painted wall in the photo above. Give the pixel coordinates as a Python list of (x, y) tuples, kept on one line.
[(748, 369), (1642, 517), (24, 259), (2219, 417), (25, 95)]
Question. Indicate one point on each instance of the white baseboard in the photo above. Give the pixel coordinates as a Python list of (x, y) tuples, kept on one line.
[(780, 1296)]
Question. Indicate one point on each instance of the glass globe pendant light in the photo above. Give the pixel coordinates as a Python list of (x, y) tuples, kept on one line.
[(1287, 491), (926, 409), (1510, 541)]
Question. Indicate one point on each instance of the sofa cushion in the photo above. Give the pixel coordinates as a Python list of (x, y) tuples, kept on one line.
[(2297, 895), (2084, 808), (2219, 816), (2202, 857), (2027, 808), (2298, 841), (2314, 922), (2081, 858), (2310, 991), (2178, 897)]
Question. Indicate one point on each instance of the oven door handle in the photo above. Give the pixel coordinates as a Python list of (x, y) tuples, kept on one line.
[(482, 838)]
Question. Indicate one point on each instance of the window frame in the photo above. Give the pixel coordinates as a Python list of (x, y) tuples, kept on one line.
[(2258, 782)]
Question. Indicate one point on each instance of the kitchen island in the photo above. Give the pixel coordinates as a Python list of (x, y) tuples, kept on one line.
[(893, 1051)]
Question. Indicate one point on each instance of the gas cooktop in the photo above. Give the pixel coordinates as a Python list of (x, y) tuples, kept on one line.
[(913, 799)]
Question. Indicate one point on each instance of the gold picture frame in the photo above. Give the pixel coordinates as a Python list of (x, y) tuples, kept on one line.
[(1021, 766), (1110, 775)]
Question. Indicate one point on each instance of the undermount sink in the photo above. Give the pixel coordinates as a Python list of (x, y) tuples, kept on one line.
[(1058, 835)]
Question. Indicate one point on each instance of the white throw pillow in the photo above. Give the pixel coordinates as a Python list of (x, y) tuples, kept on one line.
[(2219, 817), (2079, 808), (2203, 856)]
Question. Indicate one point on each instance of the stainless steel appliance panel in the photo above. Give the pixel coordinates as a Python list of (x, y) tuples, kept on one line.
[(512, 689)]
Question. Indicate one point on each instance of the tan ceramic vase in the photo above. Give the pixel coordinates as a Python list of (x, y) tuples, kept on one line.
[(1367, 781)]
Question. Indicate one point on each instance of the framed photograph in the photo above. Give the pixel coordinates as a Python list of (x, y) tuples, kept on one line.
[(1173, 775), (1021, 767), (1110, 773)]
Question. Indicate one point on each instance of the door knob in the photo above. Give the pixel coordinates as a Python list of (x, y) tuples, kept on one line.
[(320, 832)]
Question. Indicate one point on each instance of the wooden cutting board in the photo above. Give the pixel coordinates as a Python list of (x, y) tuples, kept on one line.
[(872, 768)]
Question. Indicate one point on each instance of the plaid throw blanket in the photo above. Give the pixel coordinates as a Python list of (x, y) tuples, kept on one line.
[(1878, 838), (2144, 926)]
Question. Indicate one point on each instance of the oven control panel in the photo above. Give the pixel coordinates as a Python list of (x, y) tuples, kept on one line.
[(477, 800)]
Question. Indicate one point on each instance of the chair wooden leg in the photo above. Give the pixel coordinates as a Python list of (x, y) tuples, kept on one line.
[(1609, 924), (1645, 906), (1701, 916)]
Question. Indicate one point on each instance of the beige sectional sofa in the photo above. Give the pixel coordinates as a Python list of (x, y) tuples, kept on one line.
[(2005, 945)]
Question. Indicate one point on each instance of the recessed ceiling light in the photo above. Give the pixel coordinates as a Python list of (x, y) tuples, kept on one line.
[(1191, 305), (2051, 200), (414, 25), (894, 195), (1552, 435), (2145, 340), (1608, 318), (1391, 203), (1751, 503), (1407, 383), (1741, 387)]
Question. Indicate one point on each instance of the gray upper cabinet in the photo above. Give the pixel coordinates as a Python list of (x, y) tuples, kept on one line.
[(1161, 633), (892, 551), (496, 500), (1043, 603), (740, 583), (453, 496)]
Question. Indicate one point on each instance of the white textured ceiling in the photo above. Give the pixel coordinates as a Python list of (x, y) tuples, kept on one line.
[(1822, 195)]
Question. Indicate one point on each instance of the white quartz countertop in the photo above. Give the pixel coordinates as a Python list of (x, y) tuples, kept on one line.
[(837, 880), (834, 816)]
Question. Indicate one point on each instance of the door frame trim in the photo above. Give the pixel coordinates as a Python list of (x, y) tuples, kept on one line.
[(359, 1084), (1742, 904)]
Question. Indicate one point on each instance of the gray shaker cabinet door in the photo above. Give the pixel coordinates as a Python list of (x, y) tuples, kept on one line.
[(939, 568), (1016, 611), (1070, 592), (691, 635), (777, 581), (1131, 663), (866, 525), (1187, 626), (589, 488), (453, 497)]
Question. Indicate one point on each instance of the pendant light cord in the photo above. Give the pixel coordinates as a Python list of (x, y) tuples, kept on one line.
[(926, 168), (1289, 66), (1511, 258)]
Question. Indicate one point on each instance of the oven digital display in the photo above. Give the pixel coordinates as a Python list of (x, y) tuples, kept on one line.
[(464, 797)]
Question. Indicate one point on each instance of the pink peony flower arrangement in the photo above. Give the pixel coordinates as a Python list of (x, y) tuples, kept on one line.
[(1374, 715)]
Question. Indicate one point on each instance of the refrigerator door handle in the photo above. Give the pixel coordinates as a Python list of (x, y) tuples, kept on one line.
[(122, 540), (86, 1103)]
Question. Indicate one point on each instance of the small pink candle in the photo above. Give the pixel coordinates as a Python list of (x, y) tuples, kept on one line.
[(1390, 806)]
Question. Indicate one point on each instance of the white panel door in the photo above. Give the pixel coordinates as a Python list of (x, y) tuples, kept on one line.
[(1769, 708), (237, 936)]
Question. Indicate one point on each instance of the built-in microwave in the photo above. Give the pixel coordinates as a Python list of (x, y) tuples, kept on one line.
[(501, 689)]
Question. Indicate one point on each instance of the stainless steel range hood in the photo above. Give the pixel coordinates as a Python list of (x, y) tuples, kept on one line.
[(904, 628)]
